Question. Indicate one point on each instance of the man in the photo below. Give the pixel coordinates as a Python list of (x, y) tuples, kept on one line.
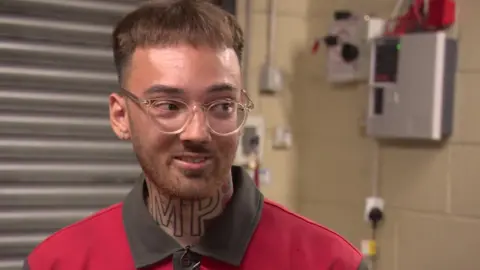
[(182, 106)]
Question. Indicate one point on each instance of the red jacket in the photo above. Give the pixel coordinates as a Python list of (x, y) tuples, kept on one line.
[(252, 234)]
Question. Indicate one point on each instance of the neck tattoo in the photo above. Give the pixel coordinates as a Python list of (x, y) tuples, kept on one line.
[(186, 220)]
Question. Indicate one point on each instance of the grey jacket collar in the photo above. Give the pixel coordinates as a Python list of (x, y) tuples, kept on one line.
[(226, 239)]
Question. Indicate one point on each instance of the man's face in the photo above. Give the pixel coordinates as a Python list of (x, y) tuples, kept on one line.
[(195, 162)]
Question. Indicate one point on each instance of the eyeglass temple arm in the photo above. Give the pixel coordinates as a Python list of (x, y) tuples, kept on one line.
[(250, 104), (126, 93)]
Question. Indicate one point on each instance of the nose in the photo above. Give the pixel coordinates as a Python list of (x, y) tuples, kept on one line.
[(196, 129)]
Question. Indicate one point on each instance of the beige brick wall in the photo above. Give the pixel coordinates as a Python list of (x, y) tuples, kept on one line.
[(433, 210)]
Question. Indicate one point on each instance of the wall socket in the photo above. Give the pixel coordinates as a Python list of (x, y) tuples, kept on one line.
[(371, 203)]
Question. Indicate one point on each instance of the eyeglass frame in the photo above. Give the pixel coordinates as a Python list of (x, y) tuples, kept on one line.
[(147, 102)]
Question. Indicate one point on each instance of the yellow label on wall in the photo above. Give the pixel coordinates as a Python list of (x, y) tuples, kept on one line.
[(369, 248)]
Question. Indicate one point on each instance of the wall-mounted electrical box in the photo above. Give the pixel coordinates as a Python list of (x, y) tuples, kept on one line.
[(254, 129), (412, 80), (347, 48)]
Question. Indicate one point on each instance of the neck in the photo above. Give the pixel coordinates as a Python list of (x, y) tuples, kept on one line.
[(186, 220)]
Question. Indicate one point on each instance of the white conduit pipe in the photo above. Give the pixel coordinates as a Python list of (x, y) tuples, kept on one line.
[(248, 42), (271, 32)]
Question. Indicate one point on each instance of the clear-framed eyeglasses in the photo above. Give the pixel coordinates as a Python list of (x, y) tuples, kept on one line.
[(223, 117)]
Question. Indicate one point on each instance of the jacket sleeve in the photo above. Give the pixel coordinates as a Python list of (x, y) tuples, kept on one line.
[(354, 262)]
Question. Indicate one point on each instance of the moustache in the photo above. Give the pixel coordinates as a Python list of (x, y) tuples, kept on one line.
[(195, 148)]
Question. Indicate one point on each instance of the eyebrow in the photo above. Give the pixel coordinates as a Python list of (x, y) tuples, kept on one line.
[(165, 89), (222, 87)]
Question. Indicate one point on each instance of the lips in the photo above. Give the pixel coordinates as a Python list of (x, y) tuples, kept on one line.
[(192, 159), (192, 162)]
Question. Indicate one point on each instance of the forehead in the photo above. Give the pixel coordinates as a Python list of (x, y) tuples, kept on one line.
[(193, 69)]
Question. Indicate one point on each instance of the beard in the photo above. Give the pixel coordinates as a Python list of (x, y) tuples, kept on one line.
[(155, 156), (183, 184)]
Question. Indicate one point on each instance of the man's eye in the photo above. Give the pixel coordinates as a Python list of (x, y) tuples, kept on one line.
[(166, 105), (223, 107)]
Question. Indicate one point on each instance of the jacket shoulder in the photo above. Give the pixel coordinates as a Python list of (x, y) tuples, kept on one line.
[(310, 226), (303, 232), (74, 239)]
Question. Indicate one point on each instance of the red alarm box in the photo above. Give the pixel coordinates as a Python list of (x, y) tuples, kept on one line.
[(441, 14)]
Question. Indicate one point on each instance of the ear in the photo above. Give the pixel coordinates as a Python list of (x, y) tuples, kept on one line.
[(119, 116)]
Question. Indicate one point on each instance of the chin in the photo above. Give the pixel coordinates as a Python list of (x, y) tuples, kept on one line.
[(193, 191), (194, 185)]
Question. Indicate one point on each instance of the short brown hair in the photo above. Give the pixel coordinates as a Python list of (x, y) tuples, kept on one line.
[(171, 22)]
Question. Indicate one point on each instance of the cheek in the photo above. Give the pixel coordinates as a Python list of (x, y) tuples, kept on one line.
[(153, 143), (227, 146), (161, 145)]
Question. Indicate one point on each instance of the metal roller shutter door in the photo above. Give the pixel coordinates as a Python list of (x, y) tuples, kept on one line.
[(59, 159)]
